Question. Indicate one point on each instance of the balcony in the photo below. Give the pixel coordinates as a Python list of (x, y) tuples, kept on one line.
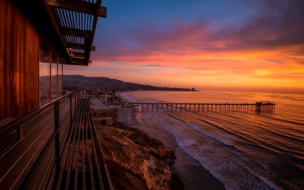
[(55, 147)]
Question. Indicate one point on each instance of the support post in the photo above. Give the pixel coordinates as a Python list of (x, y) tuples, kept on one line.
[(19, 132), (56, 131), (75, 101), (71, 111)]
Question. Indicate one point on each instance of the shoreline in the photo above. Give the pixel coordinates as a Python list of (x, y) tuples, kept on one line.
[(190, 171)]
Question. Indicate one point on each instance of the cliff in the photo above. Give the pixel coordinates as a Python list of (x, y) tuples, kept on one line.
[(136, 161)]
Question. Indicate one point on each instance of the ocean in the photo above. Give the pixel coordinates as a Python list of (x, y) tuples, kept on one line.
[(242, 149)]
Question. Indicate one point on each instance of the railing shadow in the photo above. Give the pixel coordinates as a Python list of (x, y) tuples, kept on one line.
[(31, 148)]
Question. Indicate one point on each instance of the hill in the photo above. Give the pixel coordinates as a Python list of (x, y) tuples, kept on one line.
[(83, 82)]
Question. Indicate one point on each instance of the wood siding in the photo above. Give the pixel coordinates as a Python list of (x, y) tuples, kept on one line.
[(19, 63)]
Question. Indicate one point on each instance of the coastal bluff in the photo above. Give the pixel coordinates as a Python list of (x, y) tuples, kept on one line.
[(137, 161)]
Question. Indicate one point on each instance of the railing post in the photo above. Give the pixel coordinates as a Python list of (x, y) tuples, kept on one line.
[(20, 132), (76, 100), (71, 110), (57, 143)]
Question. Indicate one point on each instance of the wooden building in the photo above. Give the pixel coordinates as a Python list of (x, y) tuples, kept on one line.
[(37, 38), (45, 136)]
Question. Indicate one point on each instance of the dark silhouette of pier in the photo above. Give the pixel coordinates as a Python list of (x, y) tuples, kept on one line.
[(265, 106)]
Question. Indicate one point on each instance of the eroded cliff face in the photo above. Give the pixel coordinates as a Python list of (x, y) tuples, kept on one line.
[(136, 161)]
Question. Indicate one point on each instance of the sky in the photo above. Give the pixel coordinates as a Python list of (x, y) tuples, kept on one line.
[(206, 44)]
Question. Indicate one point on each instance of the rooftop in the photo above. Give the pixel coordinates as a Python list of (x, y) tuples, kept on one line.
[(98, 105)]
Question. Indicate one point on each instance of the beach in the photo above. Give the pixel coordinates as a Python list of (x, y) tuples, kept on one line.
[(241, 149), (190, 171)]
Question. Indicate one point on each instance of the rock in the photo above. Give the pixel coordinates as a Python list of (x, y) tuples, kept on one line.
[(176, 183), (136, 161)]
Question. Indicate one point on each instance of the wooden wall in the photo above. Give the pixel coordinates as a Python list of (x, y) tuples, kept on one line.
[(19, 63)]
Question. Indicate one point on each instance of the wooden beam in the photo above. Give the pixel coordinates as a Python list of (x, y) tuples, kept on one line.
[(103, 12), (78, 46), (98, 3), (45, 23), (76, 32), (78, 6), (75, 54), (84, 7), (55, 24), (80, 61), (75, 46)]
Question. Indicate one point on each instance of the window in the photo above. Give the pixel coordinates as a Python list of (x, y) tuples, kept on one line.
[(50, 75), (54, 75), (44, 74)]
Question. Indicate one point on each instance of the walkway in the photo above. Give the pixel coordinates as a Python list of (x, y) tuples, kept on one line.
[(56, 147)]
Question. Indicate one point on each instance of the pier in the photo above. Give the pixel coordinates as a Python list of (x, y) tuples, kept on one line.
[(264, 106)]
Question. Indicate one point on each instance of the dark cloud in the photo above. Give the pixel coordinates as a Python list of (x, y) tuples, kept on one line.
[(278, 24)]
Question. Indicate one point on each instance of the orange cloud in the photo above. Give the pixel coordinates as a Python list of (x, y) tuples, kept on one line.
[(268, 51)]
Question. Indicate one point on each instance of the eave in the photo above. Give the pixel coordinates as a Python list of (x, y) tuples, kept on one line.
[(68, 25)]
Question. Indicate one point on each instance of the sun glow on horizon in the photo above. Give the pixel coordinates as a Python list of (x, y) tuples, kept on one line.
[(257, 49)]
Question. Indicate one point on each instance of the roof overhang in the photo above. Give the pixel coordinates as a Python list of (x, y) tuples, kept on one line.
[(69, 25)]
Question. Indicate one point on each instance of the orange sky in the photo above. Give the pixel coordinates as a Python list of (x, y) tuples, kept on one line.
[(265, 52)]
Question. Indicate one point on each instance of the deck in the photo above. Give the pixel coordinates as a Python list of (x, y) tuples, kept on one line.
[(56, 148)]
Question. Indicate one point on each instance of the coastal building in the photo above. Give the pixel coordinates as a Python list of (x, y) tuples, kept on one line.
[(37, 39), (101, 113), (38, 122)]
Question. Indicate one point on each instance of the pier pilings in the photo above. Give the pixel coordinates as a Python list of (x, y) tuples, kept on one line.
[(258, 106)]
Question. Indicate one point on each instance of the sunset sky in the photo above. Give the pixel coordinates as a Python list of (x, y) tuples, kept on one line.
[(206, 44)]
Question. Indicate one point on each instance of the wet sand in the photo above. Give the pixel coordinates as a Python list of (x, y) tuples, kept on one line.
[(191, 172)]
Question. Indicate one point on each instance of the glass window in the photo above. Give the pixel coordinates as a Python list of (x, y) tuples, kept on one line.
[(44, 74), (60, 74), (54, 75)]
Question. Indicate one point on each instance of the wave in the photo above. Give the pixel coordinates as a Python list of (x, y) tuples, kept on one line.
[(208, 134), (244, 150), (288, 139), (215, 166)]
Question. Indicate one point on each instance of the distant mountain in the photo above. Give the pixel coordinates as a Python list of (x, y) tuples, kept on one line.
[(98, 83)]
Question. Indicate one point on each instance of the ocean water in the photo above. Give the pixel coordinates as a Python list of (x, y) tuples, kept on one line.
[(242, 149)]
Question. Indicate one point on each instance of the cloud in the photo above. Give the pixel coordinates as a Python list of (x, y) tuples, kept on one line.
[(272, 41), (226, 79), (278, 25)]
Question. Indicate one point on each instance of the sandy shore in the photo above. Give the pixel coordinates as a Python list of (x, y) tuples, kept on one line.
[(190, 171)]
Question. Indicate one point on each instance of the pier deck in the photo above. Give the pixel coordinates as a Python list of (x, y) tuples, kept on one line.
[(258, 106)]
